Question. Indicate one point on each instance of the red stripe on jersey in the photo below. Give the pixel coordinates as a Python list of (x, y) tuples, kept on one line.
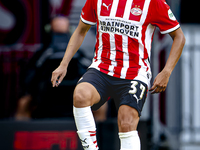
[(106, 7), (105, 56), (119, 56), (136, 4), (97, 35), (133, 49), (121, 8)]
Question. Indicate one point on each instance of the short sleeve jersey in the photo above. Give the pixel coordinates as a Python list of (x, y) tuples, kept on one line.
[(125, 30)]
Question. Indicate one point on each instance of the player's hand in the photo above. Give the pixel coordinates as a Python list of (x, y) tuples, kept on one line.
[(160, 82), (58, 75)]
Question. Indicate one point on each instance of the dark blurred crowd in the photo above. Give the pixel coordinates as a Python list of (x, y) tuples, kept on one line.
[(38, 98), (33, 96)]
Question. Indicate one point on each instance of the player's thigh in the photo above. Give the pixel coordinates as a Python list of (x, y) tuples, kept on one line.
[(85, 94), (130, 97), (128, 118)]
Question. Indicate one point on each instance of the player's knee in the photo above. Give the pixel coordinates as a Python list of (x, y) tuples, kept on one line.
[(125, 126), (82, 98)]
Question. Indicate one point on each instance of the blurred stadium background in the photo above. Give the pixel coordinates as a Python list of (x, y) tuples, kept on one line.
[(170, 120)]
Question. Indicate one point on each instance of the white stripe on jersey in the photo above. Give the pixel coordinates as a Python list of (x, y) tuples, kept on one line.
[(112, 40), (112, 55), (149, 35), (145, 11), (125, 41), (125, 56), (100, 48), (114, 8), (127, 9), (99, 7)]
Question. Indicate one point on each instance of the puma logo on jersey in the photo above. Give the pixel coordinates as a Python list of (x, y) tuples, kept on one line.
[(107, 6), (136, 98)]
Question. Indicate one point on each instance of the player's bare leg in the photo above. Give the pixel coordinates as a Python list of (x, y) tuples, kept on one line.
[(85, 95), (127, 122), (100, 114)]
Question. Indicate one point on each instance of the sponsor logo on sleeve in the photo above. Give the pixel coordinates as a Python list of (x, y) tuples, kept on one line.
[(171, 15)]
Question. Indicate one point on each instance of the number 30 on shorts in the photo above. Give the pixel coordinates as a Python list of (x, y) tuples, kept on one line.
[(134, 89)]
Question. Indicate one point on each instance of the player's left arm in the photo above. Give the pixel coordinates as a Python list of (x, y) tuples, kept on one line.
[(161, 80)]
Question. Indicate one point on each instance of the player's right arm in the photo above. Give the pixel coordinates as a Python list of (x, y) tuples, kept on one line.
[(73, 46)]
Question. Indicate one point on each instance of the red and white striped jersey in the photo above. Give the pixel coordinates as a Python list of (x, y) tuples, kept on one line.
[(125, 30)]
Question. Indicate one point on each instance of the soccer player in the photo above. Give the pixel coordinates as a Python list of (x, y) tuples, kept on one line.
[(121, 63)]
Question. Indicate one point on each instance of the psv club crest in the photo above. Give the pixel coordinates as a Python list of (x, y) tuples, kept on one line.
[(136, 11)]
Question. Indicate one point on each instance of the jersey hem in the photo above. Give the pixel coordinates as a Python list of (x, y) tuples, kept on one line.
[(138, 77), (88, 22), (170, 30)]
